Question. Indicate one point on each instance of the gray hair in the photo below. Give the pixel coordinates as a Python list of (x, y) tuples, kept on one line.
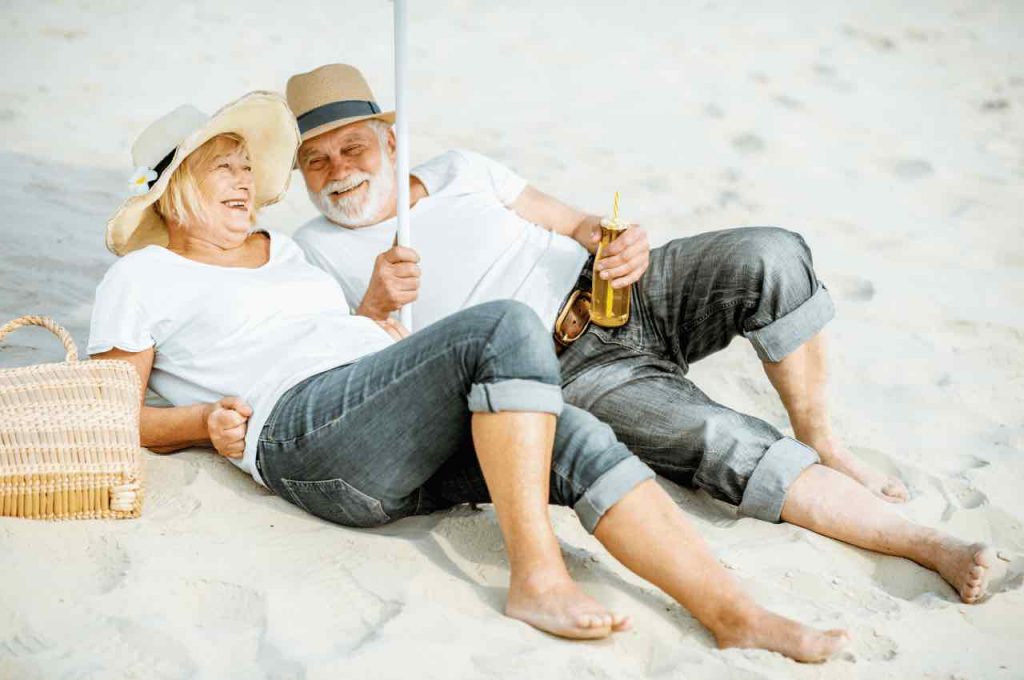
[(381, 129)]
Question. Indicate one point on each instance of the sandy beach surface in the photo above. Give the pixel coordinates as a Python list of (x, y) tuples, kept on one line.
[(891, 135)]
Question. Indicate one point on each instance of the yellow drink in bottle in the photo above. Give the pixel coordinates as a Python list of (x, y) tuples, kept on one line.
[(609, 306)]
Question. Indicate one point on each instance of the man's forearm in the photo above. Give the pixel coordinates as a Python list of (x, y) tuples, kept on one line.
[(550, 213), (167, 429)]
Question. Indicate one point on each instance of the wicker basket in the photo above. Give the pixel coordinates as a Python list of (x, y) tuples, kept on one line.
[(69, 436)]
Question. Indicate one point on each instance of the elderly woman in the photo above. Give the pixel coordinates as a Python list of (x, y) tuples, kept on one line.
[(358, 424)]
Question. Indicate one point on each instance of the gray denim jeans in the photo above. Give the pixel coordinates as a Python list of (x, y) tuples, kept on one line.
[(389, 436), (697, 295)]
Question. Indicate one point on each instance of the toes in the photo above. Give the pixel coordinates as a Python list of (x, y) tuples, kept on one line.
[(591, 626), (895, 492), (621, 622), (593, 621), (838, 634), (984, 557), (972, 593), (832, 642), (977, 571)]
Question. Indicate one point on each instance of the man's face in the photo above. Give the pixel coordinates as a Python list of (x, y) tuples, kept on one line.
[(349, 174)]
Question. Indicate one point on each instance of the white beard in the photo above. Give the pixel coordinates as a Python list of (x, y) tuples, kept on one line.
[(361, 210)]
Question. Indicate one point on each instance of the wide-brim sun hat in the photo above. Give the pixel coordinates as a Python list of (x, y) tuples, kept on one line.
[(262, 119), (330, 97)]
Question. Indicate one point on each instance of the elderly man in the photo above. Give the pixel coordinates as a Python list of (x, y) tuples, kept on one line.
[(482, 233)]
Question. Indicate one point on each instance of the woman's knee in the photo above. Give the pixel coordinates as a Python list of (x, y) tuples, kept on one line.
[(518, 345), (514, 367)]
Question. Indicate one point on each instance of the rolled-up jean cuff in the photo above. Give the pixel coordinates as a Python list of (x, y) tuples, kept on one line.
[(609, 490), (778, 339), (775, 473), (516, 395)]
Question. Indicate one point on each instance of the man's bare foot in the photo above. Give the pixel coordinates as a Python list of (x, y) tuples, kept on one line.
[(836, 456), (965, 566), (775, 633), (555, 604)]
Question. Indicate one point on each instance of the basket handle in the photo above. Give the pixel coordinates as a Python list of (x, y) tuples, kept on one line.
[(50, 325)]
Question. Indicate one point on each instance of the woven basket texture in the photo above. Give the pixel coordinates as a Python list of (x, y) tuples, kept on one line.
[(69, 436)]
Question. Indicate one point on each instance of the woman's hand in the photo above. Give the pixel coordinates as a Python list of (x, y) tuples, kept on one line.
[(393, 328), (226, 424)]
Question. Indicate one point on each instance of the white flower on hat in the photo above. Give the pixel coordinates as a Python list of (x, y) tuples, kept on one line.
[(140, 180)]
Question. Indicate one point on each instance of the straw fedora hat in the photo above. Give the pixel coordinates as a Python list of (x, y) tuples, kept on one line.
[(330, 97), (262, 119)]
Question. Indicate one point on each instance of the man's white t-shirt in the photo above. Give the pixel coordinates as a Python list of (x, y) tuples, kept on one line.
[(473, 248), (230, 331)]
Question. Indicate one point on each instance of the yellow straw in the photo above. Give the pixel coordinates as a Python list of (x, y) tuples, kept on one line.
[(609, 291)]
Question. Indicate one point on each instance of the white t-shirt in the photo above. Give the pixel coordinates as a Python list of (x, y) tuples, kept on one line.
[(473, 248), (229, 331)]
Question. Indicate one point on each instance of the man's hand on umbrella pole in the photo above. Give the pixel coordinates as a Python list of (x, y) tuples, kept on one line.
[(395, 282)]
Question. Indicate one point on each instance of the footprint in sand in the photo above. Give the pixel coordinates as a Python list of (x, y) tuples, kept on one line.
[(153, 653), (1008, 573), (170, 497), (24, 643), (882, 462), (997, 104), (657, 184), (110, 560), (959, 495), (880, 42), (748, 143), (714, 111), (791, 103), (828, 76), (910, 168), (908, 581), (852, 288), (874, 646)]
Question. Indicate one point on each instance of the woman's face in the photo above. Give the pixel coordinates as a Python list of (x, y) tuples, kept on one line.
[(226, 187)]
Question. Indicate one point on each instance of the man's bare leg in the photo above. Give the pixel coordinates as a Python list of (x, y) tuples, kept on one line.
[(832, 504), (649, 535), (514, 450), (801, 381)]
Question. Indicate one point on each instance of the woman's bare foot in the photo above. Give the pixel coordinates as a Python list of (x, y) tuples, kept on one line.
[(965, 566), (836, 456), (556, 605), (775, 633)]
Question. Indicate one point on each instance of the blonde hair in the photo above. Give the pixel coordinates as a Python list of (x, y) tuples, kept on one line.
[(182, 200)]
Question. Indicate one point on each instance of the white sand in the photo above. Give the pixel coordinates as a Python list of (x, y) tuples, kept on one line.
[(891, 137)]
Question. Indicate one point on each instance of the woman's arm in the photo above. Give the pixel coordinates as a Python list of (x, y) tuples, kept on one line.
[(172, 428)]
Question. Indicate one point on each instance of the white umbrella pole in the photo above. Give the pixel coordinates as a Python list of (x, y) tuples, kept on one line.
[(402, 137)]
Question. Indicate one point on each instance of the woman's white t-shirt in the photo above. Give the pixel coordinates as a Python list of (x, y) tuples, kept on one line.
[(230, 331)]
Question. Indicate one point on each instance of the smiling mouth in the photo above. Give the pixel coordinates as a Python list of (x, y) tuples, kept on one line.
[(348, 192), (237, 205)]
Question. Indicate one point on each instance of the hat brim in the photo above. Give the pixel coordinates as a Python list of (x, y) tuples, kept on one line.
[(268, 127)]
